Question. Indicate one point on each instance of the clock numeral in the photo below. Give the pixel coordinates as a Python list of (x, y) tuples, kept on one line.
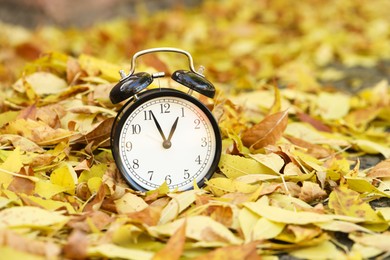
[(203, 142), (197, 123), (168, 179), (186, 174), (135, 164), (148, 115), (129, 146), (135, 129), (182, 112), (198, 160), (164, 108), (151, 175)]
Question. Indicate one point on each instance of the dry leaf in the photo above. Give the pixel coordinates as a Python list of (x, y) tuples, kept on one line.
[(381, 170), (245, 252), (174, 247), (267, 132)]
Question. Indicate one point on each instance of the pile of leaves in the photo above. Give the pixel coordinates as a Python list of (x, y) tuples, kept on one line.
[(289, 179)]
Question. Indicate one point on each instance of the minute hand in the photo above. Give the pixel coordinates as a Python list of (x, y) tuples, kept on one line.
[(158, 127)]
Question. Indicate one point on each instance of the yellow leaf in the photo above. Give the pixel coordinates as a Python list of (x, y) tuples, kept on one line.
[(94, 184), (365, 187), (234, 166), (247, 220), (113, 251), (338, 109), (46, 189), (7, 117), (200, 228), (325, 249), (365, 252), (130, 203), (342, 226), (348, 202), (266, 229), (220, 186), (95, 66), (13, 163), (10, 166), (379, 241), (51, 204), (96, 171), (280, 215), (10, 253), (66, 177), (177, 204), (43, 83), (31, 217), (271, 160), (372, 147)]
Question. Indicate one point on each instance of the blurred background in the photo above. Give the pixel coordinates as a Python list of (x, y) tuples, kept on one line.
[(65, 13), (242, 43)]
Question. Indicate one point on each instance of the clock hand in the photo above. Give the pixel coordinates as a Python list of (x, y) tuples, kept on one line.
[(167, 143), (158, 127), (173, 129)]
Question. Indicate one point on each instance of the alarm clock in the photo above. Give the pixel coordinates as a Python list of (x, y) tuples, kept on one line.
[(164, 135)]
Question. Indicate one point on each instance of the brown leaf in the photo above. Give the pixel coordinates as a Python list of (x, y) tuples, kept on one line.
[(382, 169), (96, 203), (267, 132), (315, 150), (99, 135), (311, 191), (24, 244), (76, 247), (174, 247), (73, 71), (245, 252), (22, 185), (148, 216), (314, 122)]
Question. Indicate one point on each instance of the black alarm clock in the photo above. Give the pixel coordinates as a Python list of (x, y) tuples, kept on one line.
[(164, 135)]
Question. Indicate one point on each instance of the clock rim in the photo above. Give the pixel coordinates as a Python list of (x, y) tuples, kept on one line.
[(144, 97)]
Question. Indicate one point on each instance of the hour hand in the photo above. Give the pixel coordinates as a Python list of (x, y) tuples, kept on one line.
[(158, 127)]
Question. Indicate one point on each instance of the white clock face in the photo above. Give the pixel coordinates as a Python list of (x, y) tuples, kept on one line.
[(167, 139)]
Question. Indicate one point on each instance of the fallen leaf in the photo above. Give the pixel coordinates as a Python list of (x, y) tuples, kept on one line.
[(31, 247), (266, 132), (220, 186), (66, 177), (43, 83), (114, 251), (178, 204), (379, 241), (280, 215), (31, 217), (339, 108), (130, 203), (348, 202), (174, 247), (245, 252), (381, 170), (200, 228), (76, 246), (325, 248), (311, 192)]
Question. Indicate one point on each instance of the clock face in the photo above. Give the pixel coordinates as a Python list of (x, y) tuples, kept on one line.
[(166, 136)]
